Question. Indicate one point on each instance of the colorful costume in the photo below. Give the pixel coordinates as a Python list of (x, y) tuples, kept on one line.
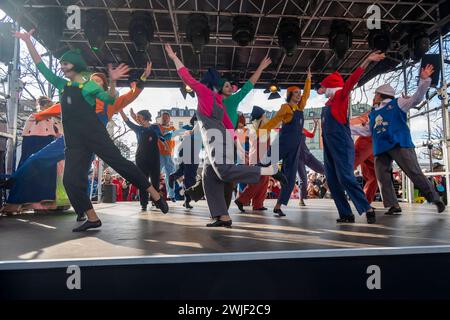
[(219, 166), (364, 158), (339, 151), (85, 134), (290, 138), (392, 141)]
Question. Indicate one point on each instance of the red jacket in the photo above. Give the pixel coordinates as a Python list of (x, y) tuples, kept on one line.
[(340, 101)]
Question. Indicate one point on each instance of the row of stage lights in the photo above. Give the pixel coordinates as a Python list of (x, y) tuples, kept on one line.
[(141, 33)]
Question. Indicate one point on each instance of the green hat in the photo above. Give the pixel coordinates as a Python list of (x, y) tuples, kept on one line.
[(222, 82), (75, 58)]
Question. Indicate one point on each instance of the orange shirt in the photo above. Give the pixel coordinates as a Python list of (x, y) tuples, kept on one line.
[(167, 148)]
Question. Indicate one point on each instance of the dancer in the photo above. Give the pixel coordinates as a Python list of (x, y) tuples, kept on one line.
[(84, 133), (28, 187), (189, 154), (147, 153), (256, 193), (364, 158), (392, 142), (290, 137), (339, 150), (306, 158), (166, 149), (219, 167), (231, 102)]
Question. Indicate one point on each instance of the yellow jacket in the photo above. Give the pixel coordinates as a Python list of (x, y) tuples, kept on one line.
[(286, 111)]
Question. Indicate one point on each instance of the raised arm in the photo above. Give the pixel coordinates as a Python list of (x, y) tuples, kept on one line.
[(306, 91), (116, 74), (46, 72), (356, 75), (425, 81), (262, 66), (128, 122)]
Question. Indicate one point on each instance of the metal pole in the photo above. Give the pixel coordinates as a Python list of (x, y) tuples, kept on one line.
[(99, 181), (445, 116), (430, 155), (409, 186), (12, 106)]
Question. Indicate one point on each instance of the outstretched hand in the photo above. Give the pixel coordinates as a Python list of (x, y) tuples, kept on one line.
[(265, 62), (148, 70), (25, 36), (118, 73), (376, 56), (172, 55), (426, 72)]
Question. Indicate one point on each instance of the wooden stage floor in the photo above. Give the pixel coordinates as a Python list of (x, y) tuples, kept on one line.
[(127, 232)]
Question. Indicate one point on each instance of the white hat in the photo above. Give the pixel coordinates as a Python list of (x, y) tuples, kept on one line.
[(386, 90)]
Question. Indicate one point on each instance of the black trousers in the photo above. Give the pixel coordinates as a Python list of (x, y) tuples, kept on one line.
[(84, 135), (150, 168)]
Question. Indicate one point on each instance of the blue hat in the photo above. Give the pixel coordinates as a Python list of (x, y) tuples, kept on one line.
[(257, 113), (211, 78)]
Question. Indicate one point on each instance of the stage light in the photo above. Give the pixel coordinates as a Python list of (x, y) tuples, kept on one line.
[(96, 28), (243, 31), (186, 90), (340, 37), (379, 39), (51, 25), (289, 35), (7, 41), (141, 30), (273, 89), (197, 31), (419, 44)]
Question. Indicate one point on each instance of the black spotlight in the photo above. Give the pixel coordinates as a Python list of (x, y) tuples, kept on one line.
[(289, 35), (243, 30), (197, 31), (96, 28), (340, 38), (51, 25), (379, 39), (273, 89), (419, 44), (186, 90), (141, 30), (7, 41)]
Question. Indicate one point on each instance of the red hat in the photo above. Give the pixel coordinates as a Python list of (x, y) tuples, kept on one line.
[(333, 80)]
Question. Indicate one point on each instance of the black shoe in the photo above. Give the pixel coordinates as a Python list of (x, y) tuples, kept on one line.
[(196, 191), (371, 217), (260, 209), (280, 177), (220, 223), (143, 208), (239, 205), (440, 205), (172, 181), (81, 217), (348, 219), (173, 200), (88, 225), (393, 211), (278, 213), (162, 205), (187, 205)]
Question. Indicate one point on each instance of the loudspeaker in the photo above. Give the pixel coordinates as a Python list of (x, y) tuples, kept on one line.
[(109, 193), (433, 59)]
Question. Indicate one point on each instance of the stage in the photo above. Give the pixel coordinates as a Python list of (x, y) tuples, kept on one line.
[(133, 246)]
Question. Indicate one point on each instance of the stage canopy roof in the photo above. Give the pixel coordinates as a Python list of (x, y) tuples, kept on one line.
[(170, 19)]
